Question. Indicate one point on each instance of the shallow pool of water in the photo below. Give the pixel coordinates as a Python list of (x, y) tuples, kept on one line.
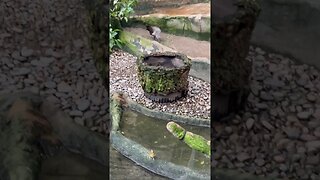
[(152, 134)]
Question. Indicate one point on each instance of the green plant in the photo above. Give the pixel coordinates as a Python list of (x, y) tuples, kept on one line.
[(120, 11)]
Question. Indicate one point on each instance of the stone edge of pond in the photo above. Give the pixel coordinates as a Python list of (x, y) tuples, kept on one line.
[(139, 154), (167, 116), (188, 26)]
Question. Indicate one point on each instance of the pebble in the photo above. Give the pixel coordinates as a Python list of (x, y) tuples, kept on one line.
[(260, 162), (311, 97), (267, 125), (249, 123), (313, 146), (243, 156), (75, 113), (266, 96), (83, 104), (292, 132), (64, 87), (26, 52), (90, 114), (20, 71), (279, 158), (50, 84), (304, 115)]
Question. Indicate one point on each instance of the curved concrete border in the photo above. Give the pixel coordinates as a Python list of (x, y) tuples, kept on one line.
[(167, 116), (200, 69), (139, 154)]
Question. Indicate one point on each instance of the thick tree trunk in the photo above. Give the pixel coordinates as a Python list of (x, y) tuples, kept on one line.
[(233, 23)]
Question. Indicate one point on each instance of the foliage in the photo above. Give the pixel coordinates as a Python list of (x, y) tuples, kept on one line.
[(119, 12)]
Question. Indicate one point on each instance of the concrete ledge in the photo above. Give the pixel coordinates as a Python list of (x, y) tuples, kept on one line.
[(290, 27)]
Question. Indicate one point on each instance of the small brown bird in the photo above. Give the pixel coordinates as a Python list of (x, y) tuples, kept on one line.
[(154, 31)]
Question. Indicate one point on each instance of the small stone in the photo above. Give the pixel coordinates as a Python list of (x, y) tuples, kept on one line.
[(317, 132), (228, 129), (283, 167), (90, 114), (53, 99), (64, 87), (45, 61), (260, 58), (26, 52), (260, 51), (274, 83), (292, 132), (266, 96), (282, 143), (75, 113), (95, 100), (16, 55), (267, 125), (313, 160), (304, 115), (83, 104), (262, 106), (307, 137), (278, 158), (249, 123), (102, 112), (243, 156), (313, 146), (316, 113), (260, 162), (50, 84), (311, 97), (20, 71)]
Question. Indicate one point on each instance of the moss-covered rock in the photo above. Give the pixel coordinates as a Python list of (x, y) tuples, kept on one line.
[(194, 141), (164, 76)]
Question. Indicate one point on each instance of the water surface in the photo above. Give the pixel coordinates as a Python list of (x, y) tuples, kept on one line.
[(152, 134)]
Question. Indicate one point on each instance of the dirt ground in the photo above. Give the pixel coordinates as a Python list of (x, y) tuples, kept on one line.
[(188, 46)]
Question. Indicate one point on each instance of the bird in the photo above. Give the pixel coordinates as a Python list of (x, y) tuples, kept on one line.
[(154, 31)]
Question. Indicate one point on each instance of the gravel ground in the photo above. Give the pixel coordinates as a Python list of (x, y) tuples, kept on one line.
[(278, 135), (123, 77), (44, 49)]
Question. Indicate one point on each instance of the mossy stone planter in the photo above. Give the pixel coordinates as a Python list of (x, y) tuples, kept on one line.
[(233, 23), (164, 75)]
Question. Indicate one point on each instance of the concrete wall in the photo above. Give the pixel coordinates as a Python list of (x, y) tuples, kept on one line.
[(291, 27)]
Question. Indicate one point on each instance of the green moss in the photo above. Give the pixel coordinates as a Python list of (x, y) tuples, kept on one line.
[(197, 142), (128, 40), (194, 141), (160, 80), (176, 130), (116, 110)]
